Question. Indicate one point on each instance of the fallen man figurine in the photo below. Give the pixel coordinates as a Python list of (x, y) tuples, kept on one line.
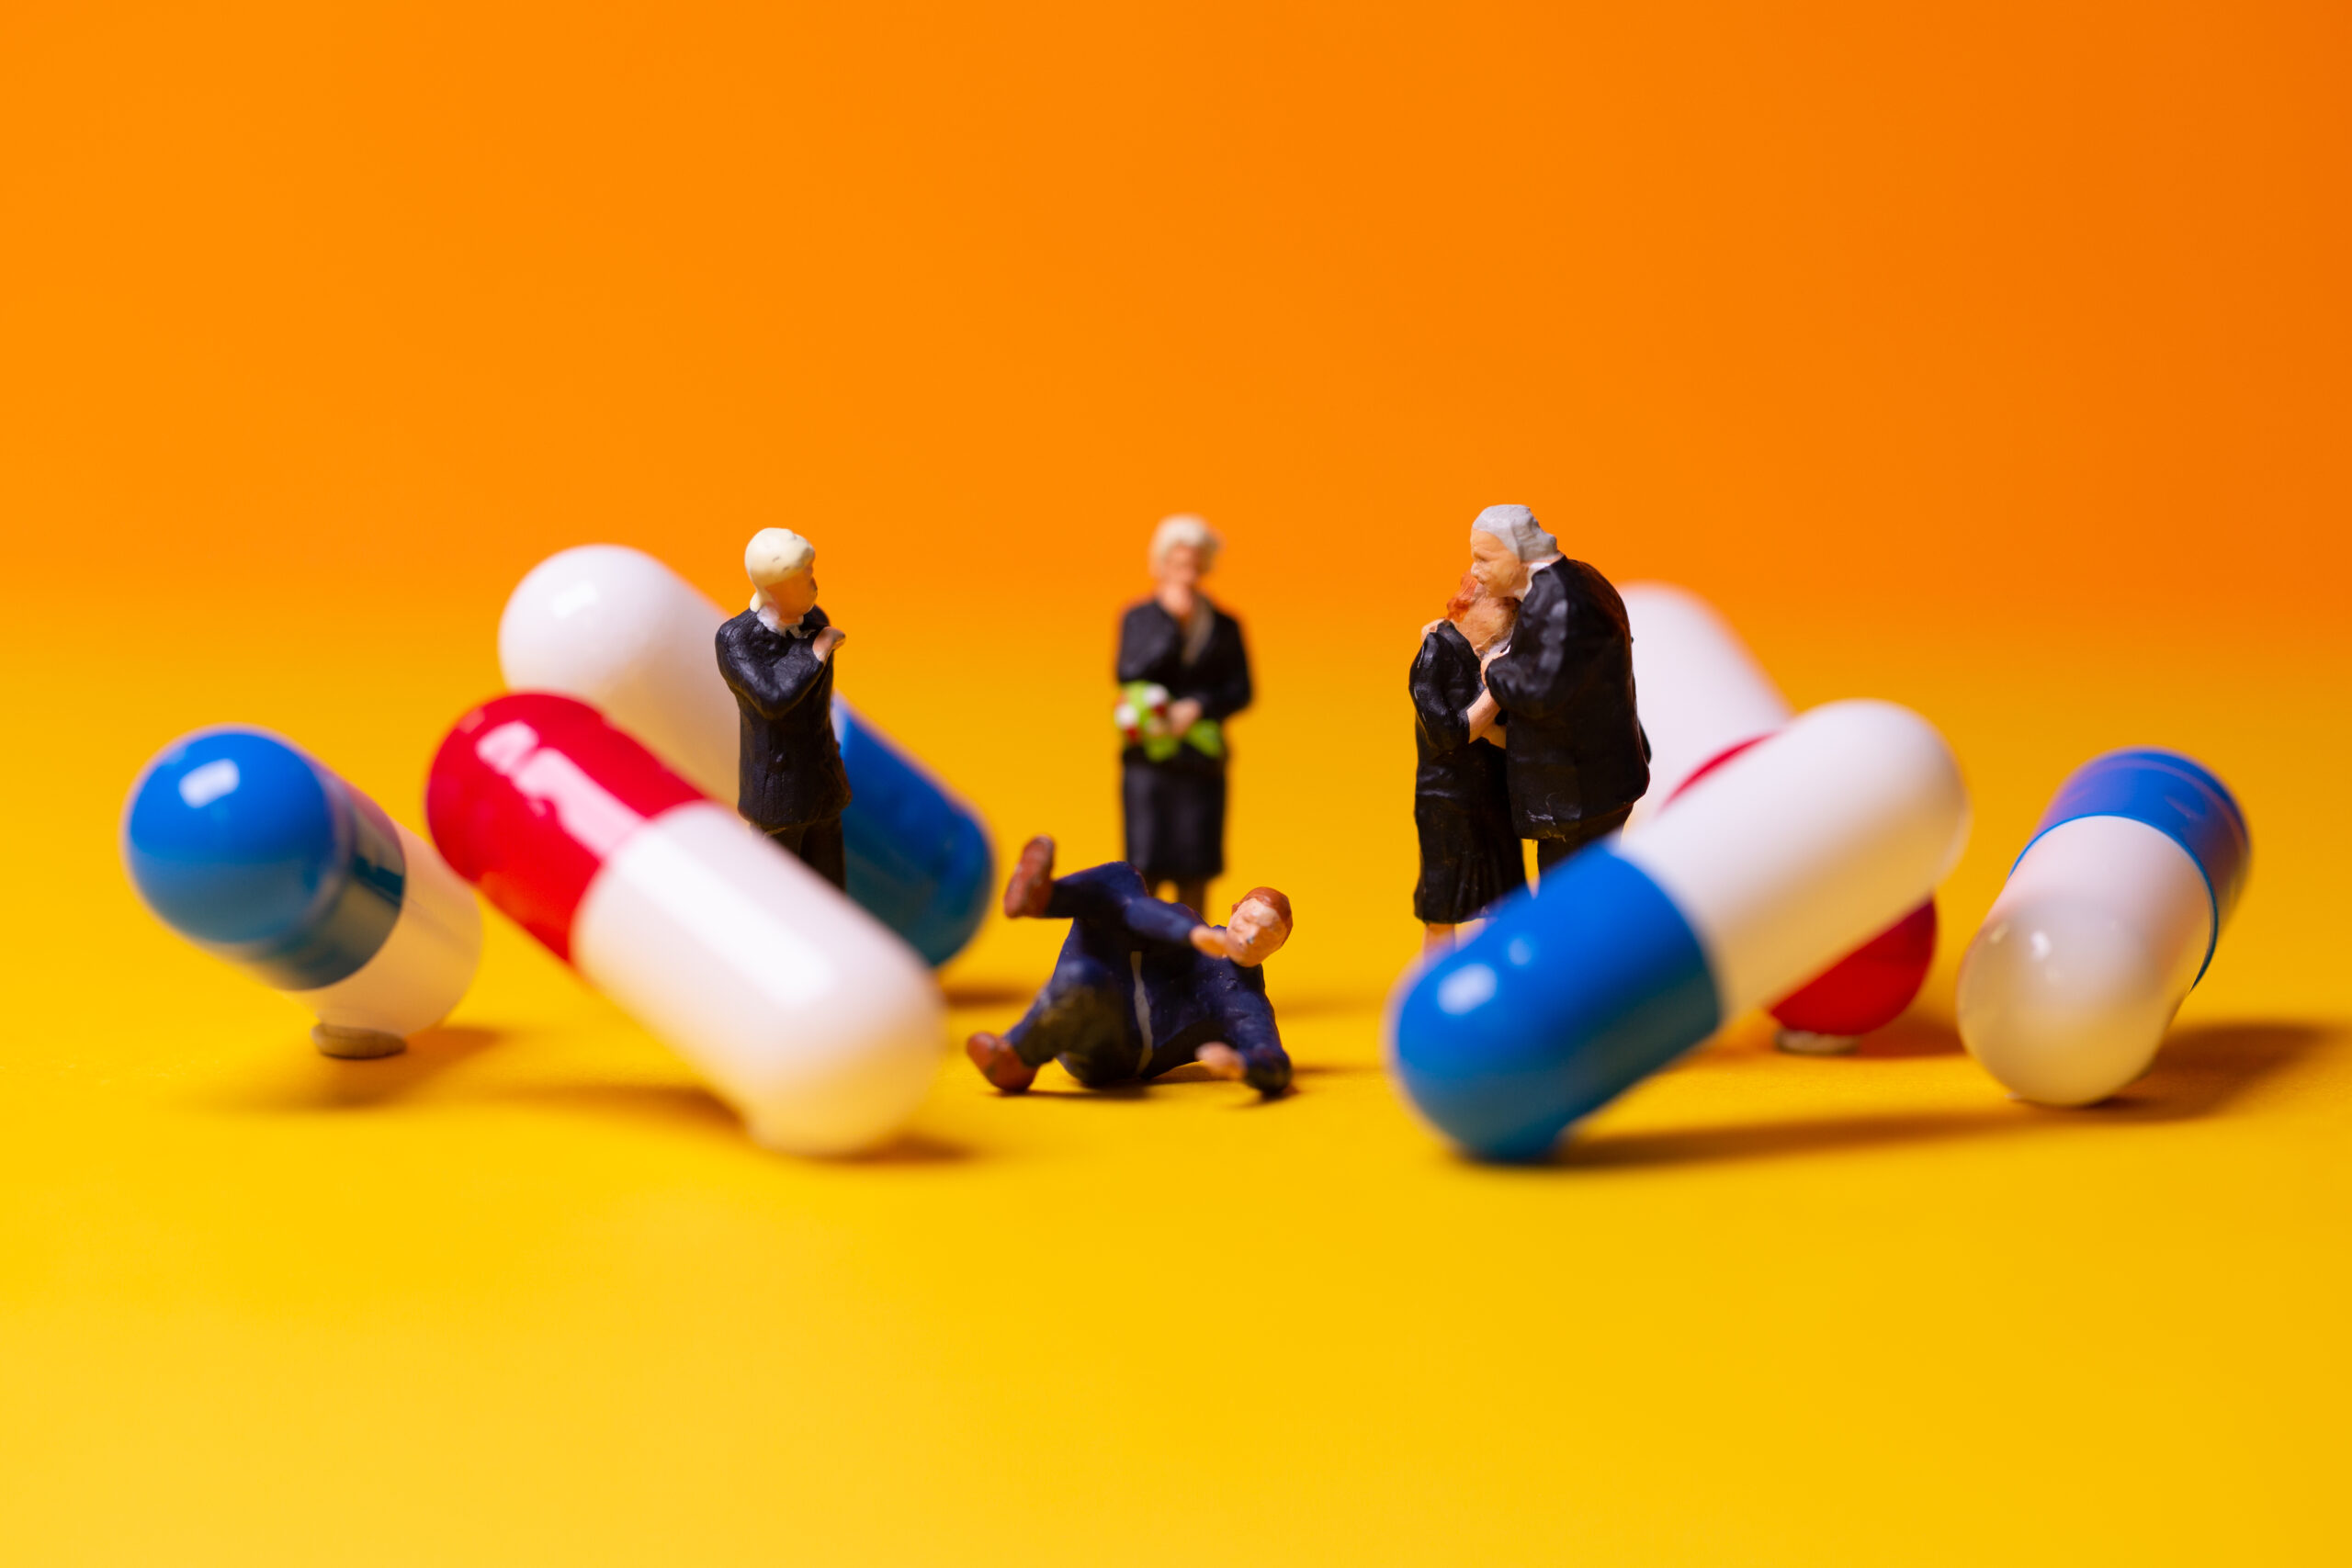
[(1142, 986)]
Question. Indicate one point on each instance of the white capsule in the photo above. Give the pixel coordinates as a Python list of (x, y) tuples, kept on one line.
[(2108, 921)]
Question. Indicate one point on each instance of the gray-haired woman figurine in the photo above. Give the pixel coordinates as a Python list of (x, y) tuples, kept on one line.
[(1183, 671)]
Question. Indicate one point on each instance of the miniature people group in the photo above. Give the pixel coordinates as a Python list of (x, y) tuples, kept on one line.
[(1555, 676), (1525, 728)]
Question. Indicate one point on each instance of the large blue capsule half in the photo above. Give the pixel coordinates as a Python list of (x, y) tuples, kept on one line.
[(917, 857), (1569, 997), (253, 851)]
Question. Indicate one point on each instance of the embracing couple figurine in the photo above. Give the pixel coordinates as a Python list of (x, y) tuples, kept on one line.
[(1524, 720)]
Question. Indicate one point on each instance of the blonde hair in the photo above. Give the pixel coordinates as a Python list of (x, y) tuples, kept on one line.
[(776, 554), (1185, 529)]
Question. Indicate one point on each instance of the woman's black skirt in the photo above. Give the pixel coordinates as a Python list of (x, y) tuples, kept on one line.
[(1468, 861), (1175, 816)]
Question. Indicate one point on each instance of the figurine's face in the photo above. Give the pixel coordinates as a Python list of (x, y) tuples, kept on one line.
[(1258, 928), (1498, 572), (1179, 567), (793, 596)]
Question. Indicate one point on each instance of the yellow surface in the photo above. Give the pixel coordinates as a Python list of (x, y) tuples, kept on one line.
[(526, 1294), (1996, 364)]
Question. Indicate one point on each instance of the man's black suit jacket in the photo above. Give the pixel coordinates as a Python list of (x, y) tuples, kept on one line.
[(790, 771), (1576, 751)]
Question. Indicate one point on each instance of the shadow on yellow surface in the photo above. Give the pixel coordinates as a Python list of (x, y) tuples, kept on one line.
[(2200, 1069), (302, 1079)]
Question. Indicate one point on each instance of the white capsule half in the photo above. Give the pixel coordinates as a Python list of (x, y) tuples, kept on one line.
[(825, 1038), (626, 634), (426, 965), (1807, 844), (1698, 690)]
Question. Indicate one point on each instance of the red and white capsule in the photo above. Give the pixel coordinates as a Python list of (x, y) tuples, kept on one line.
[(817, 1023)]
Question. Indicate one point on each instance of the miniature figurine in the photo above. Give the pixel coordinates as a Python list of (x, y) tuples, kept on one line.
[(1648, 943), (260, 856), (1576, 756), (623, 633), (1142, 986), (1182, 673), (1470, 854), (777, 659), (2108, 919), (814, 1020)]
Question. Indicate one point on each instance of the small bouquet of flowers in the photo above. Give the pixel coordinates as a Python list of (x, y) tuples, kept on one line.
[(1142, 718)]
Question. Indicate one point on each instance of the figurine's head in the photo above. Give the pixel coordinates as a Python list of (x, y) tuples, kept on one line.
[(1505, 543), (1257, 927), (1480, 616), (783, 569), (1183, 550)]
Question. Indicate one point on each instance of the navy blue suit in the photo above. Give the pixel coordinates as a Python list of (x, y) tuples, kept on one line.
[(1131, 997)]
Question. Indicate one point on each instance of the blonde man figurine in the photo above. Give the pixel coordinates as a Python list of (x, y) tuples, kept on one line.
[(777, 658), (1183, 662)]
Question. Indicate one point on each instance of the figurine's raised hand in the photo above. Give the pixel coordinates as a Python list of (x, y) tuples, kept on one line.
[(826, 641), (1222, 1060), (1211, 939), (1483, 711)]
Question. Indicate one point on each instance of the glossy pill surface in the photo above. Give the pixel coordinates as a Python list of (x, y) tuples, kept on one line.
[(1791, 854), (2109, 917), (260, 854), (816, 1022)]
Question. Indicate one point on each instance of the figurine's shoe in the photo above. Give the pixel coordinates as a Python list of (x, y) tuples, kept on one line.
[(1032, 885), (998, 1063)]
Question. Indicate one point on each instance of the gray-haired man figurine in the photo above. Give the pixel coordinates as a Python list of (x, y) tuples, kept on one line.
[(1562, 682)]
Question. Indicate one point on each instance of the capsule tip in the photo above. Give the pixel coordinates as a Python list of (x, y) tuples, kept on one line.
[(231, 836), (2061, 1004)]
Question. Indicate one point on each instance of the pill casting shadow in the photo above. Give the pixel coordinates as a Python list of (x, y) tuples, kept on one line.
[(694, 1108), (299, 1078), (2201, 1069)]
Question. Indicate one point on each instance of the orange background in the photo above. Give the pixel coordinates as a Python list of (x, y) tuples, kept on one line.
[(1997, 363)]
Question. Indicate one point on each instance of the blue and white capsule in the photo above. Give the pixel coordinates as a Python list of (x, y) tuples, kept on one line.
[(1767, 871), (2109, 917), (620, 631), (260, 856)]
